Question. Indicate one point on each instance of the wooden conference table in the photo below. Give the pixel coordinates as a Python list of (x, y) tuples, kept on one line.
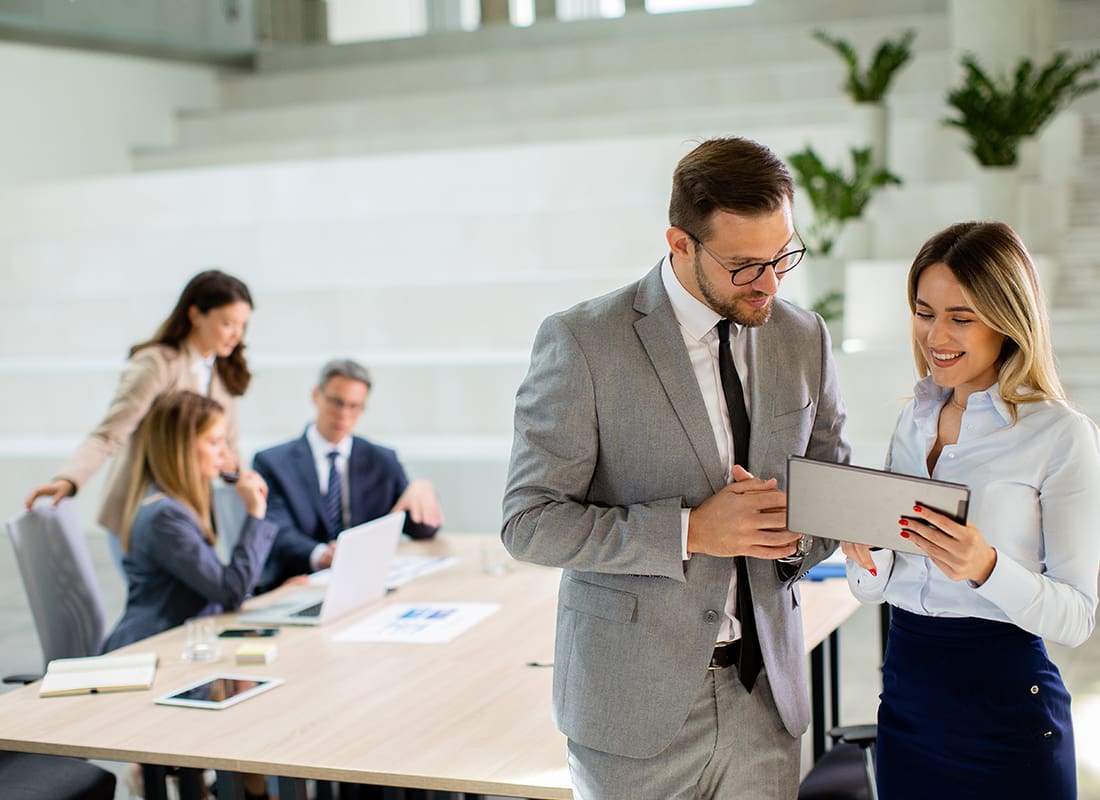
[(472, 715)]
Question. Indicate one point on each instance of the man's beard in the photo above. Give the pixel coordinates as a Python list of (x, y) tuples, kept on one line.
[(729, 309)]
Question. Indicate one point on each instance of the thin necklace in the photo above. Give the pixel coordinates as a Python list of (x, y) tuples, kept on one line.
[(955, 404)]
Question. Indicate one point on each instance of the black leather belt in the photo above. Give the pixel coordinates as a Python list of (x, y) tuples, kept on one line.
[(725, 655)]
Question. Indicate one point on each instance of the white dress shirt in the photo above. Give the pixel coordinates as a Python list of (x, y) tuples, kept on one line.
[(320, 447), (202, 367), (697, 325), (1035, 497)]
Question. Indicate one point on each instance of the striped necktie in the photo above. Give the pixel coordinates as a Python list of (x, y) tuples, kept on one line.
[(334, 509)]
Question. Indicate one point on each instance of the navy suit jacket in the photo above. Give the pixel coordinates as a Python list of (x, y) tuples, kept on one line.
[(175, 574), (375, 481)]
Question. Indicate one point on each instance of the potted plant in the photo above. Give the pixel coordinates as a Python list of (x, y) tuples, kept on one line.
[(838, 200), (867, 87), (870, 85), (837, 197), (997, 113)]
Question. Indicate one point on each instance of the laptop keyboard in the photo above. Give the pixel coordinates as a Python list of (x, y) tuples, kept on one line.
[(311, 611)]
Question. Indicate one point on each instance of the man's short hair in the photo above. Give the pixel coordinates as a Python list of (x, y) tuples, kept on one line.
[(343, 368), (735, 175)]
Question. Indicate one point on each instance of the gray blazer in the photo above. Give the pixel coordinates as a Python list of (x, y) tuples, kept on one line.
[(612, 440)]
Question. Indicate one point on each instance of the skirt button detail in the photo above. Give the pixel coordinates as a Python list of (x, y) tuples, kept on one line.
[(1035, 690)]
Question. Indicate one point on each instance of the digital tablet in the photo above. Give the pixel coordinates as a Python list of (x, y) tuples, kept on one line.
[(859, 504), (219, 691)]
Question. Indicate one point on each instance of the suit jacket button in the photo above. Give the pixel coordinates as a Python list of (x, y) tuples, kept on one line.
[(711, 616)]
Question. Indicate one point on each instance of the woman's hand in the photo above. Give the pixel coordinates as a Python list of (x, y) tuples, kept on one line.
[(59, 489), (960, 551), (861, 554), (253, 493)]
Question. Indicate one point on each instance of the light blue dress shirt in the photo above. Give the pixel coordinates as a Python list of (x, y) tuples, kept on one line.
[(1034, 495)]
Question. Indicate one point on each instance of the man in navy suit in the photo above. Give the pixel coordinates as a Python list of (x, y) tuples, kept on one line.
[(328, 480)]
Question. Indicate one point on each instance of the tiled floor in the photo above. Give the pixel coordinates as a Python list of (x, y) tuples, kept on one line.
[(19, 653)]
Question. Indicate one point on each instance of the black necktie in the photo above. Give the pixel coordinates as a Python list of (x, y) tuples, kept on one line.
[(748, 667), (334, 509)]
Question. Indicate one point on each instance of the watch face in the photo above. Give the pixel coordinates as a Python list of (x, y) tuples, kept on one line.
[(804, 545)]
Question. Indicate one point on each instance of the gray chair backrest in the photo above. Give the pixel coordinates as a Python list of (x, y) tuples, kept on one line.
[(61, 585), (229, 517)]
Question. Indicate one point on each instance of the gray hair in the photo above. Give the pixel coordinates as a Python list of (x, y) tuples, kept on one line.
[(343, 368)]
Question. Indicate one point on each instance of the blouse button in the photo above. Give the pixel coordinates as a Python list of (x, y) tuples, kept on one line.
[(950, 455), (1035, 690)]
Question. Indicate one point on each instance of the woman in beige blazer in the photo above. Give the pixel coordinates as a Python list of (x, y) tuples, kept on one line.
[(198, 348)]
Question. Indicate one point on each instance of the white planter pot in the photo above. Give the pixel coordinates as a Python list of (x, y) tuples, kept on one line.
[(996, 194), (823, 277), (876, 311), (853, 242), (871, 130)]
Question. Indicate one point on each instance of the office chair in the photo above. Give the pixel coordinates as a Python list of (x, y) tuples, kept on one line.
[(60, 582), (847, 771), (63, 594)]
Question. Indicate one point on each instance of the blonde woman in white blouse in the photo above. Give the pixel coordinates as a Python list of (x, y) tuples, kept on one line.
[(971, 705)]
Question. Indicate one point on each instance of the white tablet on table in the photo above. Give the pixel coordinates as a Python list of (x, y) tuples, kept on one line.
[(859, 504), (219, 691)]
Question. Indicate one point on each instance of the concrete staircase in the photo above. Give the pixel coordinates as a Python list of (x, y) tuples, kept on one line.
[(1076, 302)]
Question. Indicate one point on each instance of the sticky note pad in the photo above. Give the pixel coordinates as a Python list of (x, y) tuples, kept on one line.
[(256, 653)]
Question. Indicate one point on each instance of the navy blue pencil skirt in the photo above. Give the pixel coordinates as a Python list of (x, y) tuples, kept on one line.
[(971, 709)]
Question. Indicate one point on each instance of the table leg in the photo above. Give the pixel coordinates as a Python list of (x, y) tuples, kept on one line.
[(230, 785), (291, 788), (191, 785), (817, 697), (834, 679), (153, 776)]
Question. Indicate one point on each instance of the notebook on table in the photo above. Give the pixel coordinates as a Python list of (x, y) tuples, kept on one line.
[(359, 569), (112, 673)]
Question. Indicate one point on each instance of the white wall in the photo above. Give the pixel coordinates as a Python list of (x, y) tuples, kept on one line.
[(68, 112)]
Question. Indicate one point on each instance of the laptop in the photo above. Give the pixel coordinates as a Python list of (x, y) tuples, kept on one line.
[(359, 569), (859, 504)]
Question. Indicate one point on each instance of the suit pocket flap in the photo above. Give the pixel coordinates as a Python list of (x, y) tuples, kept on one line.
[(599, 601)]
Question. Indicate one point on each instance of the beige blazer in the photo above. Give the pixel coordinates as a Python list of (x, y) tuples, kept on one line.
[(149, 373)]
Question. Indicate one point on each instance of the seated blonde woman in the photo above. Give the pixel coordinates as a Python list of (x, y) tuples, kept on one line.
[(173, 570)]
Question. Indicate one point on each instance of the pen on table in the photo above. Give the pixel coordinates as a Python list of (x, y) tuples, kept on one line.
[(540, 663)]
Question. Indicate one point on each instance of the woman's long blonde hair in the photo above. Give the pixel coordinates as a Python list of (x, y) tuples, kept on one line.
[(168, 458), (999, 282)]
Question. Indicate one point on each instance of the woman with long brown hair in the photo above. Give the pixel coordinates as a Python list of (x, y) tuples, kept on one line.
[(199, 348)]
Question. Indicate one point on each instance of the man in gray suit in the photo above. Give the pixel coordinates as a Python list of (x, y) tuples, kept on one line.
[(637, 438)]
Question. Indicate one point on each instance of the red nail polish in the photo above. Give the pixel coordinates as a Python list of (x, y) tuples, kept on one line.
[(903, 522), (918, 509), (874, 572), (904, 534)]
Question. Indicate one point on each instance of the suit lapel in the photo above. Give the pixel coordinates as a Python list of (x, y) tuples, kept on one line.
[(356, 467), (660, 335), (302, 464)]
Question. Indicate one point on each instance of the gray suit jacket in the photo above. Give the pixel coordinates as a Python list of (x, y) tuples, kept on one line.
[(612, 440)]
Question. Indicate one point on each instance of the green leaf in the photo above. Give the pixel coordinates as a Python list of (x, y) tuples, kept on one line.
[(997, 112), (870, 85)]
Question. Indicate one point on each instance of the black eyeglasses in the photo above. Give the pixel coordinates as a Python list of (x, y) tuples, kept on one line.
[(743, 276)]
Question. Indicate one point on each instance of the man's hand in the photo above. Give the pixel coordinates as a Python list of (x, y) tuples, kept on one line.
[(420, 502), (324, 561), (746, 518)]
